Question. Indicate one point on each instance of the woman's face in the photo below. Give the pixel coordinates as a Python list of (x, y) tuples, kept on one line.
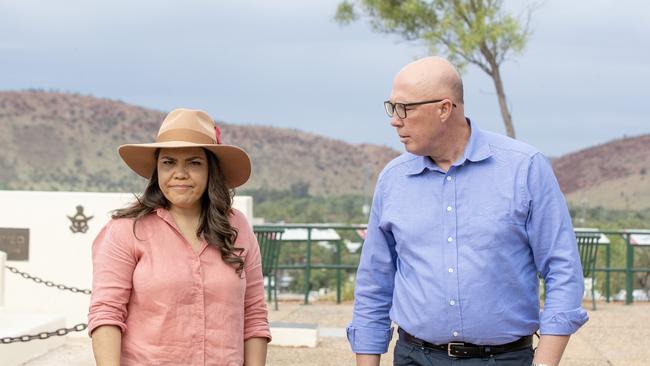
[(183, 176)]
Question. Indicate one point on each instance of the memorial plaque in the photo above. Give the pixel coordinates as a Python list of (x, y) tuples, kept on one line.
[(15, 242)]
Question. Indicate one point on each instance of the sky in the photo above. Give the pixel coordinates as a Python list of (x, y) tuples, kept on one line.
[(582, 79)]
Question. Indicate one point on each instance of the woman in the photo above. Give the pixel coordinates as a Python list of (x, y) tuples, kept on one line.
[(177, 278)]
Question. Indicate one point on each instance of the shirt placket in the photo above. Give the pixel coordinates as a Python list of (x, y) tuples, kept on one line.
[(199, 306), (450, 221)]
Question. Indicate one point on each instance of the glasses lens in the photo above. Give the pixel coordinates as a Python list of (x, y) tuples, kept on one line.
[(388, 106), (400, 109)]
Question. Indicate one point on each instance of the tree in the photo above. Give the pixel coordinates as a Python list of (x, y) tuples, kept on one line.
[(477, 32)]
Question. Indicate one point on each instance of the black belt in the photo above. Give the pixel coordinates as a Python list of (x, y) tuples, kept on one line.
[(468, 350)]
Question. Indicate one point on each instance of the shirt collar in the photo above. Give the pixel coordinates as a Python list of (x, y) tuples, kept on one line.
[(477, 149), (166, 216), (419, 164)]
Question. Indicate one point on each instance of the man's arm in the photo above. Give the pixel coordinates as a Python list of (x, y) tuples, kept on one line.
[(368, 360), (555, 252), (550, 348), (370, 331)]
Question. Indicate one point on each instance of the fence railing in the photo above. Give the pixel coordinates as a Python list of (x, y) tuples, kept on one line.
[(308, 238), (629, 268), (310, 234)]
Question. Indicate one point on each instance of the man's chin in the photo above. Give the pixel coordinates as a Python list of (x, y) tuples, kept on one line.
[(408, 146)]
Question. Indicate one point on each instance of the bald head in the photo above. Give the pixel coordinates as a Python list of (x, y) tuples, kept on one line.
[(432, 77)]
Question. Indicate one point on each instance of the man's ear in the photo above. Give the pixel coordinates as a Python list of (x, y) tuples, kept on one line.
[(445, 109)]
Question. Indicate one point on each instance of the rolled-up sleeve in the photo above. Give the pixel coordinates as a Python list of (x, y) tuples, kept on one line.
[(256, 322), (555, 251), (114, 260), (370, 331)]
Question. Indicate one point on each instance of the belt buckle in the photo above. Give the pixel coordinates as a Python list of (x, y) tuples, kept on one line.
[(453, 344)]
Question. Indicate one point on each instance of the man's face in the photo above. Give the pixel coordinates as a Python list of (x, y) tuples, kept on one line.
[(421, 127)]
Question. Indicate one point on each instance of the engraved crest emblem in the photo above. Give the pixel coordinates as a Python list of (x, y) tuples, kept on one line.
[(79, 221)]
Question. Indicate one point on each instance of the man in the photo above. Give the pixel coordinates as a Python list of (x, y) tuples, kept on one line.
[(461, 225)]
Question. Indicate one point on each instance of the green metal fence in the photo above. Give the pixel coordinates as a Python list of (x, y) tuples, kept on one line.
[(620, 237), (625, 266), (307, 266)]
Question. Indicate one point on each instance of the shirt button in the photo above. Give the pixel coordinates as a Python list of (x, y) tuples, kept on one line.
[(448, 208), (450, 239), (451, 270), (448, 178), (455, 334), (452, 303)]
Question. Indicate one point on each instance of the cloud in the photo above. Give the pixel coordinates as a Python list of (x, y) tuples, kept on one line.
[(286, 63)]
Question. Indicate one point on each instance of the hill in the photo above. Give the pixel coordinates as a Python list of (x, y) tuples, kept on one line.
[(613, 175), (62, 141)]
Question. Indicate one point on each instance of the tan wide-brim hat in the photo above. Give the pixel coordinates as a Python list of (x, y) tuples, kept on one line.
[(189, 128)]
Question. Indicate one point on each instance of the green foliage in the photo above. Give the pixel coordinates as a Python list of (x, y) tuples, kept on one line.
[(609, 219), (469, 31), (345, 13), (300, 189), (295, 205)]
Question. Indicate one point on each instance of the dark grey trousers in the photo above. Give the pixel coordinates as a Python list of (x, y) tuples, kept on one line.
[(407, 354)]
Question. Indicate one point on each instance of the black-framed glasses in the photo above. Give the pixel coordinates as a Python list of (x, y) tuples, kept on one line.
[(400, 108)]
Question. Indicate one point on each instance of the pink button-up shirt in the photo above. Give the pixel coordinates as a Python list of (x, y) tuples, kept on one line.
[(174, 306)]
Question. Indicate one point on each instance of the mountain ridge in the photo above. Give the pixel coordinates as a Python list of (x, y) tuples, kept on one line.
[(68, 141)]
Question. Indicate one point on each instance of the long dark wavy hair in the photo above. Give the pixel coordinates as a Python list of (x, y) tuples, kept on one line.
[(216, 206)]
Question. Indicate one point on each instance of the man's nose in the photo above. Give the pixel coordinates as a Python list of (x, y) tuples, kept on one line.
[(395, 121)]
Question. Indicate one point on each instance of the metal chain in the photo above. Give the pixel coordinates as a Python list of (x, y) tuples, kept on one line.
[(48, 283), (44, 335)]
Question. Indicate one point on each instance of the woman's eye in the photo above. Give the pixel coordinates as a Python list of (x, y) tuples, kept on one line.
[(167, 162), (195, 163)]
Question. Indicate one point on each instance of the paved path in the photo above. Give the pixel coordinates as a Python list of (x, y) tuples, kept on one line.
[(616, 335)]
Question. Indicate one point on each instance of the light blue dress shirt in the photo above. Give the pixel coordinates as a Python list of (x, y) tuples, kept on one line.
[(455, 256)]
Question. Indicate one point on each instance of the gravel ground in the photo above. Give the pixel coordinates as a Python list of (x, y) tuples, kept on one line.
[(616, 335)]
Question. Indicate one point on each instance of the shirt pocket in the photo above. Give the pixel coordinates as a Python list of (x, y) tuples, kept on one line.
[(494, 223)]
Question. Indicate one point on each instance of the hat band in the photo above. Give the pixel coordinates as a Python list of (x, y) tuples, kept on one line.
[(185, 135)]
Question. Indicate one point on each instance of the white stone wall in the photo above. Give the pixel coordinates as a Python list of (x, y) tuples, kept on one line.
[(55, 253)]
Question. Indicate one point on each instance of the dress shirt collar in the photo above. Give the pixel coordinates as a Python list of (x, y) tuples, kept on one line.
[(477, 149), (167, 217)]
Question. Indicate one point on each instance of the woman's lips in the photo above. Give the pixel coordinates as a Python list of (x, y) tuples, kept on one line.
[(180, 188)]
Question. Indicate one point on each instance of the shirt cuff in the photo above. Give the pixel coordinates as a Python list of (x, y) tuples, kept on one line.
[(369, 341), (562, 322), (92, 325), (262, 333)]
